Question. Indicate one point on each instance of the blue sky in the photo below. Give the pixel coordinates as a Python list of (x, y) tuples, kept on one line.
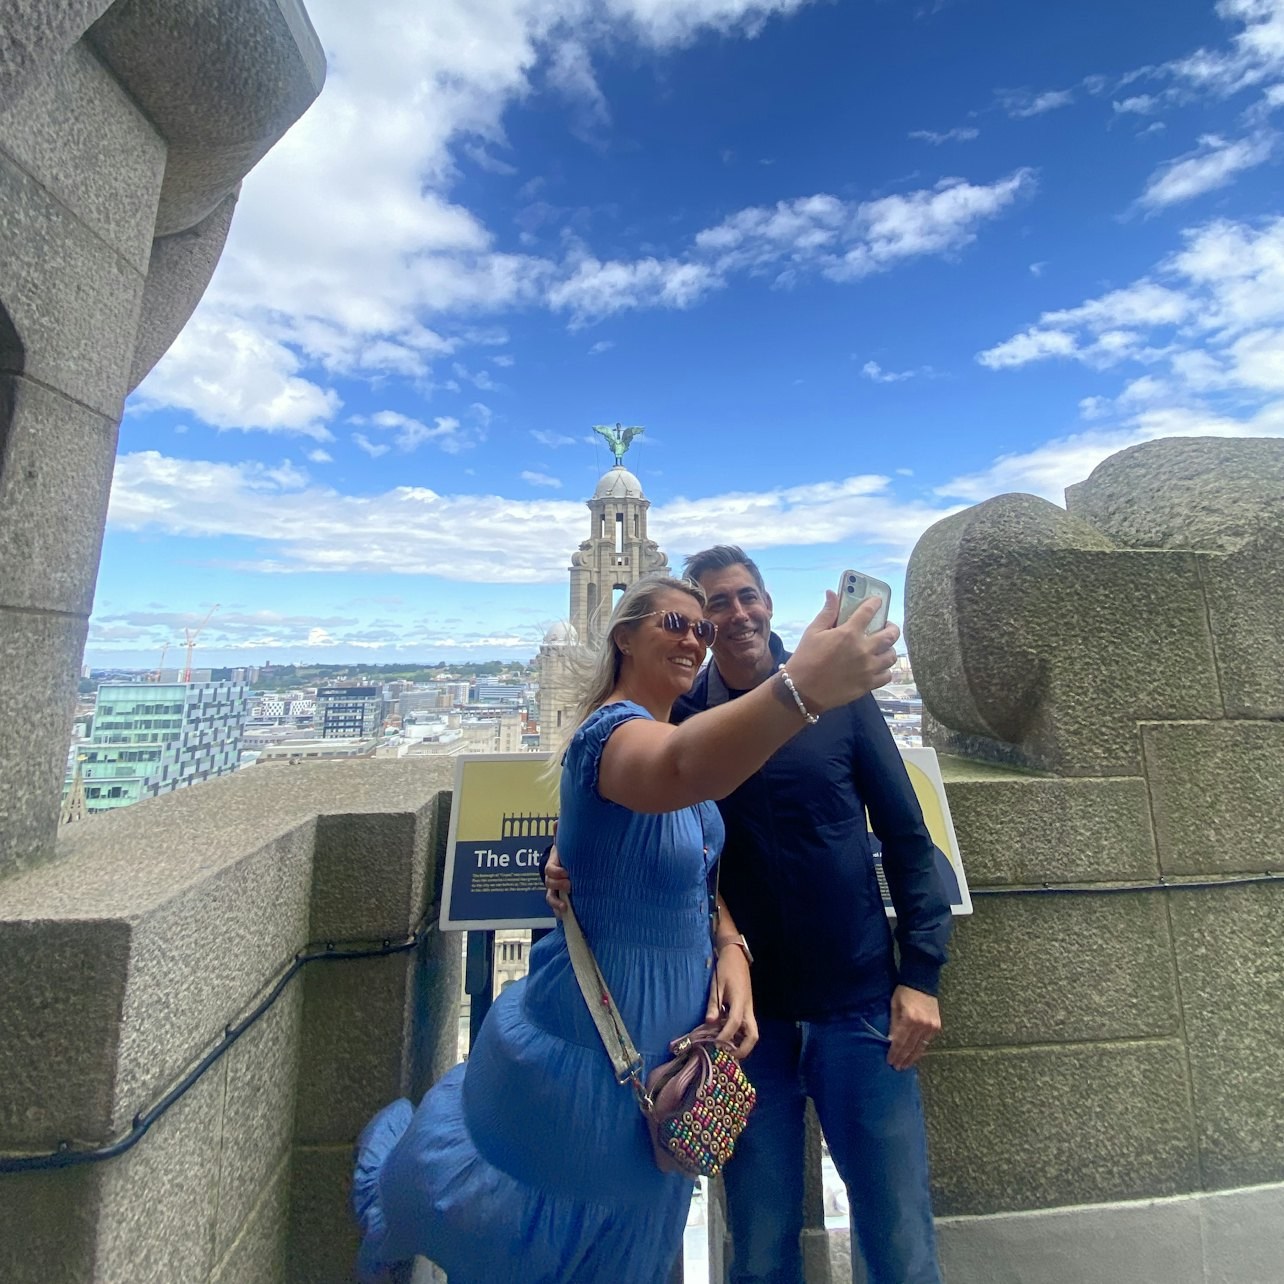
[(853, 265)]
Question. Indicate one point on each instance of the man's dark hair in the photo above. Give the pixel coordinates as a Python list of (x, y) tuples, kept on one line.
[(718, 558)]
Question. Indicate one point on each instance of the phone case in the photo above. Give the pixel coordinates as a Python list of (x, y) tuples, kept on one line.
[(853, 588)]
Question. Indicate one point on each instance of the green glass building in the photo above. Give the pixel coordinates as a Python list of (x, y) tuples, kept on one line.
[(152, 738)]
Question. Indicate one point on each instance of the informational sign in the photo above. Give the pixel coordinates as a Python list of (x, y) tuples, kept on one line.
[(925, 775), (501, 819), (504, 811)]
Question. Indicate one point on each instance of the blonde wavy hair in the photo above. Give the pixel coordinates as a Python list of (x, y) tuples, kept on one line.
[(598, 671)]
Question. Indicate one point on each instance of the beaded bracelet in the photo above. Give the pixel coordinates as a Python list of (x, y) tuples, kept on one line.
[(812, 718)]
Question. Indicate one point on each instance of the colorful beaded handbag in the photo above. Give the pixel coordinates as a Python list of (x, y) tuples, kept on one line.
[(700, 1103), (696, 1106)]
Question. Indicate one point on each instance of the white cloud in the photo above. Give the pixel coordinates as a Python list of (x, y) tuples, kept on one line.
[(1022, 103), (131, 631), (1257, 360), (230, 374), (675, 22), (372, 448), (1237, 272), (846, 240), (1141, 304), (349, 257), (553, 439), (594, 289), (320, 456), (1100, 332), (540, 479), (571, 73), (300, 527), (601, 346), (1253, 56), (1050, 468), (409, 434), (872, 370), (1146, 390), (1033, 345), (856, 510), (1210, 323), (1212, 165), (1137, 105), (1256, 52), (1227, 281), (486, 160), (960, 134)]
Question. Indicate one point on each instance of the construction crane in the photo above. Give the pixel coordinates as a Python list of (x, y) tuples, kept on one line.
[(160, 668), (192, 635)]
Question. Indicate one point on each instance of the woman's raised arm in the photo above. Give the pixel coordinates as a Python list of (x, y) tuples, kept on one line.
[(654, 767)]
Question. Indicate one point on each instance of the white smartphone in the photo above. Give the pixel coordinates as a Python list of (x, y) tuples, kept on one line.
[(853, 588)]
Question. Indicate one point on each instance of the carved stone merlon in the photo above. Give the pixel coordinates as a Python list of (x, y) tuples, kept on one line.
[(1126, 654), (1043, 637)]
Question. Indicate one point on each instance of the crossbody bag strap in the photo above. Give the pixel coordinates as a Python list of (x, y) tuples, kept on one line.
[(626, 1061), (625, 1058)]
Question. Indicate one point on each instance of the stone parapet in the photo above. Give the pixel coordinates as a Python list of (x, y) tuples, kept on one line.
[(123, 963), (1101, 1045), (1022, 827), (1216, 791), (1105, 686)]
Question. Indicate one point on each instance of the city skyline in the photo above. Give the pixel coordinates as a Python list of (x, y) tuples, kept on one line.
[(853, 266)]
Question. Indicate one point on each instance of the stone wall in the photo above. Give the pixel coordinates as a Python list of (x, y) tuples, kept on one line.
[(125, 130), (123, 963), (1107, 685)]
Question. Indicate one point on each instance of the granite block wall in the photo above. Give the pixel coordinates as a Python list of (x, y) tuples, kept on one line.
[(123, 963), (1116, 736)]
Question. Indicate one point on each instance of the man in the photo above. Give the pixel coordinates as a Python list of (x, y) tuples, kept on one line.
[(841, 1017)]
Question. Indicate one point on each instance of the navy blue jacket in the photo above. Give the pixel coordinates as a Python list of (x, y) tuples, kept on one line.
[(797, 871)]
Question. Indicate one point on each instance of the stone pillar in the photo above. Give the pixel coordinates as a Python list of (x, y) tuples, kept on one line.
[(122, 145), (1105, 685), (77, 218)]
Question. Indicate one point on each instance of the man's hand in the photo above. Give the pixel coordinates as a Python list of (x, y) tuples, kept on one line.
[(731, 1002), (557, 884), (916, 1021)]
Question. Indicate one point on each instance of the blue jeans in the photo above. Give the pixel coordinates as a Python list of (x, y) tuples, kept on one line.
[(872, 1119)]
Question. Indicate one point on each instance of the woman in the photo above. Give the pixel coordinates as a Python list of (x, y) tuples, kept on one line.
[(529, 1162)]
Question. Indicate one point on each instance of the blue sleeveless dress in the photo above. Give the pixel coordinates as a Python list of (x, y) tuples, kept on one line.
[(529, 1163)]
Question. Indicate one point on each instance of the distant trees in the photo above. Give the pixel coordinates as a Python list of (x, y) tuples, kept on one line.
[(286, 677)]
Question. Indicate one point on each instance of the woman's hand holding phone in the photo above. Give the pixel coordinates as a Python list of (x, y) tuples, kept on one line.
[(836, 663)]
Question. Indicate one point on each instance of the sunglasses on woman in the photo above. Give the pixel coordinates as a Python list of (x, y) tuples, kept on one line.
[(675, 622)]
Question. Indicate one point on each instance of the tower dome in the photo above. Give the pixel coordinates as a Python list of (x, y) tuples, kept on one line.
[(618, 483), (562, 634)]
